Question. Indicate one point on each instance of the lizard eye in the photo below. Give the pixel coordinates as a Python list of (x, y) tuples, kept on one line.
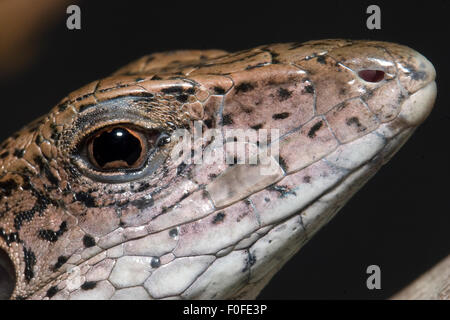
[(118, 148), (121, 152), (371, 75)]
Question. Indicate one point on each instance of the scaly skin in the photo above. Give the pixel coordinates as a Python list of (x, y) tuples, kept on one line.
[(202, 230)]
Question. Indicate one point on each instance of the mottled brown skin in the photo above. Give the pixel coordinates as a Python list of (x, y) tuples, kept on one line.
[(53, 207)]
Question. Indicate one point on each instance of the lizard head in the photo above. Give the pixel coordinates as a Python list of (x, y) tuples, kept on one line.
[(134, 187)]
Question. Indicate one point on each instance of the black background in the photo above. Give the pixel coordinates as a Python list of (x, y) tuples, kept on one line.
[(400, 220)]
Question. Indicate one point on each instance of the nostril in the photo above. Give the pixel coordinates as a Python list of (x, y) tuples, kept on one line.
[(7, 276), (371, 75)]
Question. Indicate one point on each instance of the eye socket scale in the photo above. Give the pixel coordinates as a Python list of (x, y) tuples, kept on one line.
[(371, 75)]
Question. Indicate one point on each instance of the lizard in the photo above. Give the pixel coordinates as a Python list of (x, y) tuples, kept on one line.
[(97, 201)]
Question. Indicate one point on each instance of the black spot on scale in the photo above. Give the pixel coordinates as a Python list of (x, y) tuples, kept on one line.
[(173, 90), (141, 188), (212, 176), (38, 139), (52, 236), (247, 109), (309, 89), (30, 260), (19, 153), (88, 241), (85, 198), (23, 216), (181, 168), (282, 190), (354, 121), (219, 90), (88, 285), (244, 87), (314, 129), (279, 116), (257, 126), (155, 262), (7, 187), (321, 59), (9, 237), (249, 261), (227, 120), (182, 98), (52, 291), (208, 123), (40, 205), (275, 61), (190, 90), (59, 263), (142, 203), (414, 73), (219, 217), (284, 94), (173, 233), (306, 179), (4, 155)]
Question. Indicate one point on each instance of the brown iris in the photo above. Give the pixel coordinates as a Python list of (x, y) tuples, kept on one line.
[(117, 147)]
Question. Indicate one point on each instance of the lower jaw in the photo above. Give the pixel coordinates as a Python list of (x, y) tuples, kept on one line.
[(279, 245)]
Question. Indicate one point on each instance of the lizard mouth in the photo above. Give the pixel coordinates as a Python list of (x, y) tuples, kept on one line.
[(420, 82), (416, 108)]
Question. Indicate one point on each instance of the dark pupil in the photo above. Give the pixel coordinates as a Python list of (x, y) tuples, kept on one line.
[(115, 145)]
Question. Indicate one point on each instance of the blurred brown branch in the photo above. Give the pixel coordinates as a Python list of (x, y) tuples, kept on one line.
[(22, 25), (432, 285)]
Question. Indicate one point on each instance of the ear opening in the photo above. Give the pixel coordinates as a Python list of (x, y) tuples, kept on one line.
[(7, 276)]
